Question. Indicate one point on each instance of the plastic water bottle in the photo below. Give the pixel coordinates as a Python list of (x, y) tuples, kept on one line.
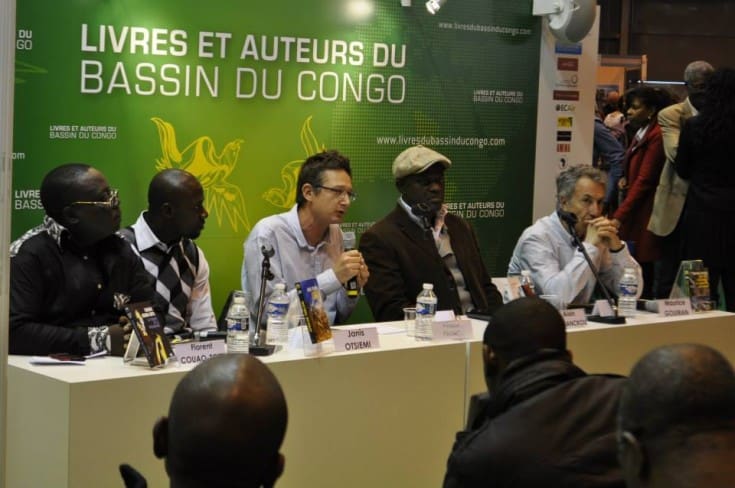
[(238, 323), (527, 287), (276, 324), (425, 310), (627, 291)]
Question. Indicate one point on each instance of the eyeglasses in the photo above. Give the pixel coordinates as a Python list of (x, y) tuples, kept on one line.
[(113, 202), (340, 192)]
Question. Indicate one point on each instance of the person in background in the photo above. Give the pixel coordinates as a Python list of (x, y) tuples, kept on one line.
[(421, 242), (546, 422), (676, 423), (163, 237), (644, 161), (608, 155), (546, 249), (71, 276), (307, 240), (671, 191), (224, 428), (704, 158)]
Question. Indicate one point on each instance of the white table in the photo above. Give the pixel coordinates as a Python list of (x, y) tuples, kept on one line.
[(379, 418)]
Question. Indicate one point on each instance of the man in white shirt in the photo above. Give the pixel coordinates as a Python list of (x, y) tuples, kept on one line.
[(547, 250), (163, 238), (307, 241)]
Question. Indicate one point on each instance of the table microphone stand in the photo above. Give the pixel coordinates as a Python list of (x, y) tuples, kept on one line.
[(258, 347), (570, 219)]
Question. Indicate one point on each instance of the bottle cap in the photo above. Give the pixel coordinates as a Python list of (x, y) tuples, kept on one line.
[(428, 286), (238, 299), (280, 286), (526, 272)]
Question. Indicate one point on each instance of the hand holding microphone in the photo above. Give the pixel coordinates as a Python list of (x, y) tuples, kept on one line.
[(351, 268)]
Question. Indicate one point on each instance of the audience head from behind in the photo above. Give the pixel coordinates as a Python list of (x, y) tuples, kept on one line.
[(695, 79), (78, 197), (225, 426), (545, 421), (676, 420), (522, 328)]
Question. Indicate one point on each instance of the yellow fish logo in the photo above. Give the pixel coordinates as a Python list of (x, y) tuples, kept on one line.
[(200, 158)]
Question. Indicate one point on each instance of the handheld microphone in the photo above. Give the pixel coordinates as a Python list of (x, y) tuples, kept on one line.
[(348, 240), (568, 217)]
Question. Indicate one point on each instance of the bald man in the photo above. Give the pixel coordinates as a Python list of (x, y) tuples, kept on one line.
[(163, 237), (547, 422), (676, 423), (224, 428)]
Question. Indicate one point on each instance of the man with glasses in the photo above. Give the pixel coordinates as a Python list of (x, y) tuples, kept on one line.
[(307, 241), (420, 242), (71, 276), (163, 237)]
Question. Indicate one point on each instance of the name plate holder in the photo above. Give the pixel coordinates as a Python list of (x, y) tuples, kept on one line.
[(574, 317), (456, 330), (674, 307), (195, 352), (351, 340)]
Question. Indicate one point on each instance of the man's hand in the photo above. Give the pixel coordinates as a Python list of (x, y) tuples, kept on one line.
[(363, 274), (603, 232), (348, 265), (119, 335)]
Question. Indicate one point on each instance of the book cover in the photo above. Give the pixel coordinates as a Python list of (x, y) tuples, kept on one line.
[(698, 282), (149, 332), (312, 306)]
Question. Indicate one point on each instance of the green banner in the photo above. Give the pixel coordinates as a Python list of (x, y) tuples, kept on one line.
[(240, 94)]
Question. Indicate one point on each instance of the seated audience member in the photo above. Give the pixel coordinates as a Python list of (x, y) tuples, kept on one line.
[(163, 238), (676, 424), (547, 422), (546, 249), (421, 242), (71, 276), (224, 427), (307, 240)]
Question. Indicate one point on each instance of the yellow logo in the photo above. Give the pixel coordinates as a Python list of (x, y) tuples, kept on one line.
[(212, 169)]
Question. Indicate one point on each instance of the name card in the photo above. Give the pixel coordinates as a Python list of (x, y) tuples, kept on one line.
[(602, 308), (673, 307), (452, 329), (349, 340), (574, 317), (197, 352)]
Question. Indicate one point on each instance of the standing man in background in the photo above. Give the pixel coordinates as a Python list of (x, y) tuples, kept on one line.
[(420, 242), (307, 240), (672, 190), (163, 238)]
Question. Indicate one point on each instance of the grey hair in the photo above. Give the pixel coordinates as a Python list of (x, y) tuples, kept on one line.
[(696, 68), (567, 180)]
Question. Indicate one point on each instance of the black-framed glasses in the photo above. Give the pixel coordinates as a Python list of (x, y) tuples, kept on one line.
[(340, 192), (113, 202)]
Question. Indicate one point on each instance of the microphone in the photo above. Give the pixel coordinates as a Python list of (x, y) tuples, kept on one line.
[(425, 212), (348, 240), (568, 217), (571, 220)]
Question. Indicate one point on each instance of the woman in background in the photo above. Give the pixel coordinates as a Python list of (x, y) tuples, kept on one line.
[(644, 161), (706, 158)]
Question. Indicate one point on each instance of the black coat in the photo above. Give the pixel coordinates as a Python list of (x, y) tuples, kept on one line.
[(548, 424), (401, 257)]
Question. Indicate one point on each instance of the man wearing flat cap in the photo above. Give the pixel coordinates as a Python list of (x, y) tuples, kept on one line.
[(420, 242)]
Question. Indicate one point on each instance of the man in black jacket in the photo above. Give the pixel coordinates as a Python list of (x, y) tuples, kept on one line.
[(547, 422), (420, 242)]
